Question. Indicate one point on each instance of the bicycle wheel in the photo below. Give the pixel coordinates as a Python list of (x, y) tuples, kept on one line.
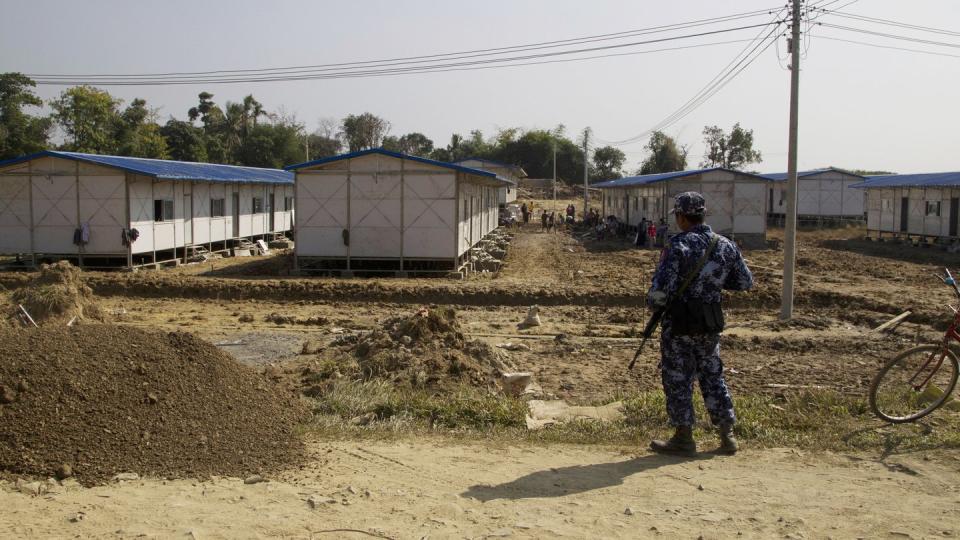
[(914, 383)]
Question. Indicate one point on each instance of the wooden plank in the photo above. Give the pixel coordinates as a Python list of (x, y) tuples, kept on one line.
[(893, 322)]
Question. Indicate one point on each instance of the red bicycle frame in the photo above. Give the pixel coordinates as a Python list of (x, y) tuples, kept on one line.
[(950, 334)]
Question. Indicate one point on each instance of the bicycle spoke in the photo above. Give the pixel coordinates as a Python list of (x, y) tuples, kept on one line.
[(915, 384)]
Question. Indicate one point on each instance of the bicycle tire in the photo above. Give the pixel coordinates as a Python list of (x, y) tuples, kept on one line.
[(951, 357)]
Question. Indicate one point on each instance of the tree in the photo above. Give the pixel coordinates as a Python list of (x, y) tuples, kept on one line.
[(731, 151), (89, 117), (414, 144), (364, 131), (324, 141), (137, 133), (185, 141), (533, 150), (20, 133), (608, 163), (665, 155)]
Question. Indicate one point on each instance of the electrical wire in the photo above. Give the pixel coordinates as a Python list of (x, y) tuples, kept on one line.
[(388, 71), (424, 58), (720, 80), (877, 45), (889, 22), (891, 36)]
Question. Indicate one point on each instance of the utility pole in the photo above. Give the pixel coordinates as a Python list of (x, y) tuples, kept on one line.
[(554, 175), (790, 227), (586, 165), (306, 147)]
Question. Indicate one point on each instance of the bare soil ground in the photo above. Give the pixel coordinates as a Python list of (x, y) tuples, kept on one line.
[(592, 294), (435, 489)]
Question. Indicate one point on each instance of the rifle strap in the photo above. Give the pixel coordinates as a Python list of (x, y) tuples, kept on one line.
[(714, 239)]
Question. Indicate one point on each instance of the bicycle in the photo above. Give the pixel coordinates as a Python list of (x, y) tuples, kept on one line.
[(920, 380)]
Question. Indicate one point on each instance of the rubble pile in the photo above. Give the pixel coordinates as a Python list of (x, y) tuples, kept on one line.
[(489, 253), (424, 350), (56, 295)]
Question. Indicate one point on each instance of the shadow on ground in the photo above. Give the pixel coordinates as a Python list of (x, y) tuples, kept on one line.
[(564, 481)]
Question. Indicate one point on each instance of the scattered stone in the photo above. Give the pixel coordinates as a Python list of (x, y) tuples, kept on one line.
[(406, 340), (63, 471), (510, 346), (700, 487), (352, 490), (311, 347), (151, 398), (314, 501), (22, 386), (29, 488), (246, 318), (533, 318), (75, 518), (7, 395), (254, 479), (126, 477), (628, 511)]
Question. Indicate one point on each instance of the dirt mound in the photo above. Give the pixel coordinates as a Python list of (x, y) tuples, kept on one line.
[(57, 294), (104, 400), (426, 349)]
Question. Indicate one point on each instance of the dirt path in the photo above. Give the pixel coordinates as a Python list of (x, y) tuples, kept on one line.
[(418, 490)]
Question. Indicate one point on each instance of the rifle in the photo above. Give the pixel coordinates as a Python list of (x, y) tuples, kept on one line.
[(648, 330), (658, 314)]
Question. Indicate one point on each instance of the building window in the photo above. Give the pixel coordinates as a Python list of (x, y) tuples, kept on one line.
[(258, 205), (886, 204), (287, 204), (217, 207), (933, 208), (162, 210), (645, 206)]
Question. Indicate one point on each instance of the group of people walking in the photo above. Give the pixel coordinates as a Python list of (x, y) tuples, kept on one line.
[(650, 234)]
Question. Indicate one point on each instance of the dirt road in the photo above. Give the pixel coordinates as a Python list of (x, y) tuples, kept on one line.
[(420, 490)]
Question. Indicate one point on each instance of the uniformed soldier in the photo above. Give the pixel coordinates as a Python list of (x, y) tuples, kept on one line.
[(690, 332)]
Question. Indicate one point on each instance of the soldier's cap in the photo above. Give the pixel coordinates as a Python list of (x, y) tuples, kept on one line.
[(690, 203)]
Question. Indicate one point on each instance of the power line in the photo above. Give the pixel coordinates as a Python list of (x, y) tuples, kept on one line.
[(877, 45), (389, 71), (889, 22), (891, 36), (712, 87), (424, 58)]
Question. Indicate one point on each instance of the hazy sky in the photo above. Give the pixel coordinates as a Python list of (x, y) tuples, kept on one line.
[(860, 106)]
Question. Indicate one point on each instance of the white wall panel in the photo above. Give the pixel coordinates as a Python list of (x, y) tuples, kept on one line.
[(15, 214)]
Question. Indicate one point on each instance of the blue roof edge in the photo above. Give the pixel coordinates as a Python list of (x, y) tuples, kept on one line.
[(810, 172), (398, 155), (662, 177), (92, 158)]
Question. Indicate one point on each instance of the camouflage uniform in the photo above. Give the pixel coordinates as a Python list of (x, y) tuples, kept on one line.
[(684, 358)]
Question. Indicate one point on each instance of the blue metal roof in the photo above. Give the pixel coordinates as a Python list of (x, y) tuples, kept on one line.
[(645, 179), (398, 155), (491, 162), (911, 180), (170, 170), (782, 176)]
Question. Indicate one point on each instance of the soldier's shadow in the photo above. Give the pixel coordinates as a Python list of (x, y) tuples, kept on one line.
[(562, 481)]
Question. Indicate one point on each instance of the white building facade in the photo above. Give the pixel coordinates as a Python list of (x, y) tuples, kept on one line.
[(736, 201), (378, 211), (511, 173), (821, 193), (112, 211), (925, 207)]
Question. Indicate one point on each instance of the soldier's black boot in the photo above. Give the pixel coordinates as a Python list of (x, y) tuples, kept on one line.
[(728, 443), (681, 443)]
